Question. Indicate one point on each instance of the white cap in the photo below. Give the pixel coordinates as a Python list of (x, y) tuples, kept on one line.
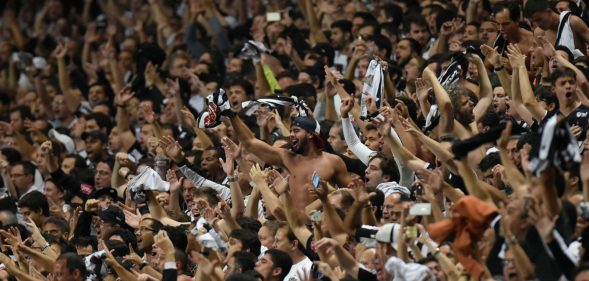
[(389, 233), (66, 140)]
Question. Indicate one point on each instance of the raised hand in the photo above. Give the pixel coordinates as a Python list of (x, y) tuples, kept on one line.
[(12, 236), (422, 88), (280, 184), (148, 113), (346, 107), (207, 266), (547, 48), (326, 244), (124, 95), (175, 183), (188, 117), (258, 175), (515, 55), (172, 149), (133, 256), (60, 51), (322, 191), (162, 241), (360, 193), (383, 126), (491, 54), (228, 164), (173, 87)]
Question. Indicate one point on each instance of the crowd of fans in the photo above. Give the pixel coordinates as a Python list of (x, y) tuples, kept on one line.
[(294, 140)]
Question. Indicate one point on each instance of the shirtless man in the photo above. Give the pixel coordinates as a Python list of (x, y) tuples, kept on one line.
[(304, 157), (573, 35), (508, 18)]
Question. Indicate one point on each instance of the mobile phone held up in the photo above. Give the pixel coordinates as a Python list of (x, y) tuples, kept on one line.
[(421, 209), (273, 16), (315, 179)]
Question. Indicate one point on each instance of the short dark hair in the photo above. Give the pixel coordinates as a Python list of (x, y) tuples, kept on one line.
[(24, 111), (415, 46), (365, 16), (127, 236), (413, 19), (344, 25), (248, 239), (244, 260), (561, 72), (12, 155), (247, 86), (281, 260), (102, 120), (513, 8), (59, 222), (27, 167), (533, 6), (177, 236), (155, 224), (249, 223), (489, 161), (73, 262), (35, 201), (388, 167)]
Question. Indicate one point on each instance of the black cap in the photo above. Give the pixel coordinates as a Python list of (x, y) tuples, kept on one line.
[(306, 123), (105, 191), (113, 214), (98, 135)]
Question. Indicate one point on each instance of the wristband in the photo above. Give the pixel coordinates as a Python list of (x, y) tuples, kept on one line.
[(497, 69), (232, 178), (45, 247)]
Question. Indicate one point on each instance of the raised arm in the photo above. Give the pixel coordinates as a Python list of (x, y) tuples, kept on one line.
[(471, 182), (515, 178), (264, 151), (72, 101), (443, 102), (486, 90), (516, 99), (273, 205), (295, 221), (517, 59)]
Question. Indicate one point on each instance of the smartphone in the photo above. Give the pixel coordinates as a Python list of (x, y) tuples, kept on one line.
[(272, 16), (421, 209), (315, 179)]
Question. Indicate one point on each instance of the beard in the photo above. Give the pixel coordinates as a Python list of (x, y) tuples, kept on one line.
[(299, 146)]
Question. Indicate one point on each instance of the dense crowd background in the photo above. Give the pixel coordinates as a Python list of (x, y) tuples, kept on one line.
[(294, 140)]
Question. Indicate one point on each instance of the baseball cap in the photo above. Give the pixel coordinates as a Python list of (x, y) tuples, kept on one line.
[(389, 233), (98, 135), (311, 126), (307, 123), (64, 139), (113, 214)]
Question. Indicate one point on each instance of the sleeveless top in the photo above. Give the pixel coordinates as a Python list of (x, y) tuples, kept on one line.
[(564, 34)]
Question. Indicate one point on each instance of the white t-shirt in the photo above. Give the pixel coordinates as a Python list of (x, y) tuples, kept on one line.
[(301, 268)]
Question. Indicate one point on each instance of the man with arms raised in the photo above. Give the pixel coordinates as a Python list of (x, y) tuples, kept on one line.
[(304, 157)]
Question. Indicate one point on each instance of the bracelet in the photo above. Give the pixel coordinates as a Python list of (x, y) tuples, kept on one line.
[(120, 105), (45, 247), (232, 178), (497, 69), (141, 266)]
